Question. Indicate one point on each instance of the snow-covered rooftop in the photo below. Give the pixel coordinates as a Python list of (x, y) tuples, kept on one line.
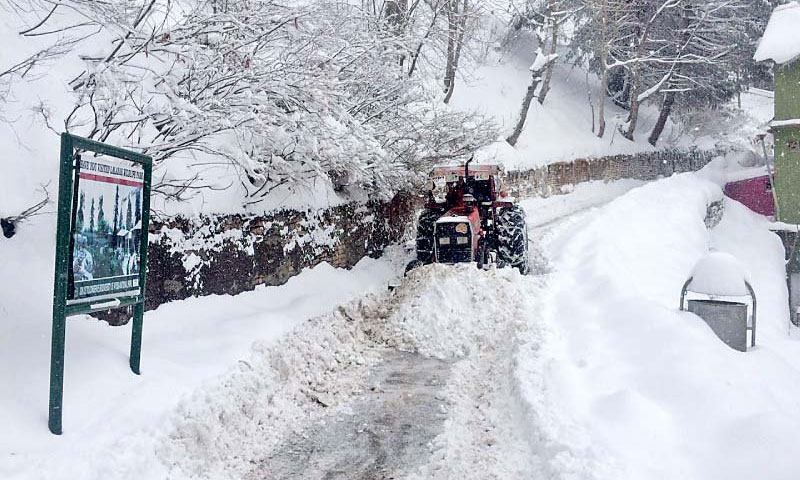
[(781, 40)]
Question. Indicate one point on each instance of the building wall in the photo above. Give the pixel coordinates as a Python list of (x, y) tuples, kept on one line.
[(787, 171), (787, 91), (754, 193), (787, 142)]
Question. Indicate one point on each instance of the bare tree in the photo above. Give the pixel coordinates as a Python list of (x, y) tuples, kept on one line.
[(555, 14), (599, 38), (700, 61), (456, 27), (539, 65), (9, 224)]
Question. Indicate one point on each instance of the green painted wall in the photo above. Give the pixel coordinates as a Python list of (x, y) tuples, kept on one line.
[(787, 173), (787, 91), (787, 142)]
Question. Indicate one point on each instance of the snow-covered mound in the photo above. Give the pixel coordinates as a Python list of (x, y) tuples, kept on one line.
[(447, 310), (632, 388), (719, 273), (450, 312), (113, 418)]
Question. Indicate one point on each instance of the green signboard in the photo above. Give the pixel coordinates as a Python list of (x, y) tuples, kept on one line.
[(101, 244)]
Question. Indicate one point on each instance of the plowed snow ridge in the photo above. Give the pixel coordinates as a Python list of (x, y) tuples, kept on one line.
[(460, 315), (335, 399)]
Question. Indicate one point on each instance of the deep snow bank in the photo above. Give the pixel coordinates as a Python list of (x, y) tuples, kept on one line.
[(628, 387), (456, 313), (112, 417)]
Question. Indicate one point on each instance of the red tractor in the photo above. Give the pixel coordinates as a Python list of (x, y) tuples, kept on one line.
[(474, 222)]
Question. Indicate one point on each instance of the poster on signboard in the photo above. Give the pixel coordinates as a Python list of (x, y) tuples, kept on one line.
[(107, 229)]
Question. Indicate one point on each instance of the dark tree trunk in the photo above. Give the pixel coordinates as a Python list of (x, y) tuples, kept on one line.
[(634, 102), (601, 114), (418, 51), (449, 71), (666, 109), (549, 70), (523, 114), (455, 41)]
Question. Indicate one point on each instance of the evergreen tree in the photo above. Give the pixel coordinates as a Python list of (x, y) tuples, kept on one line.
[(668, 52), (129, 216), (138, 205), (79, 219), (117, 219), (91, 218), (102, 225)]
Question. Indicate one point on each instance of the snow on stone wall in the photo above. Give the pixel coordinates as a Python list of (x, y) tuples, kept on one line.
[(229, 254), (557, 178)]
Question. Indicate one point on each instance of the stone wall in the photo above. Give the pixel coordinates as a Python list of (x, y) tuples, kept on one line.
[(550, 179), (229, 254)]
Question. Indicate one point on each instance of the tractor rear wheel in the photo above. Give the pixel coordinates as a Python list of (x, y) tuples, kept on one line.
[(512, 238), (425, 227)]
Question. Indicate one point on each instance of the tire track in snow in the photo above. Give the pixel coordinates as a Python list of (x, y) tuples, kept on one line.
[(387, 430), (437, 403)]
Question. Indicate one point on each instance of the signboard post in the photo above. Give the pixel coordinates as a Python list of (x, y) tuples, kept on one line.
[(101, 244)]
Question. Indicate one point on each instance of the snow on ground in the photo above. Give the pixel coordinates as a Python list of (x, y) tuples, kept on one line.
[(624, 385), (317, 377), (206, 405), (486, 434), (587, 371), (542, 211), (466, 317), (111, 416)]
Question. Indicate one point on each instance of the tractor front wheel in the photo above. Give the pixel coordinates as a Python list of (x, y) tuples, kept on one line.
[(512, 239), (481, 254), (425, 227)]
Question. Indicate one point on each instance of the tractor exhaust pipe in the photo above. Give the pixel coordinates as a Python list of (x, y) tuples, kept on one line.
[(466, 172)]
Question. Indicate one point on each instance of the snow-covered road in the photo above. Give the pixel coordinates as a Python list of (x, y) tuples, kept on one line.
[(424, 387), (213, 404), (416, 383), (386, 429)]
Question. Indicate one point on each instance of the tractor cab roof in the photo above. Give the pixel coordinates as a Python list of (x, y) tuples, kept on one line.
[(452, 173)]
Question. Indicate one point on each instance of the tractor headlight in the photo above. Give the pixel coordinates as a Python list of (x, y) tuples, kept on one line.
[(462, 240), (444, 240)]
